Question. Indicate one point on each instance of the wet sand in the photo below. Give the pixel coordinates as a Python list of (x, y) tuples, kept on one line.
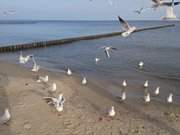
[(84, 110)]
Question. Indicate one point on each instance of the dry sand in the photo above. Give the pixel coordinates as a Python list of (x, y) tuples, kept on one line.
[(84, 111)]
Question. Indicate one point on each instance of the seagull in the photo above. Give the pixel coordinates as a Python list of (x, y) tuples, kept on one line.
[(128, 29), (141, 64), (69, 72), (156, 92), (124, 84), (146, 84), (139, 11), (159, 3), (24, 59), (84, 81), (58, 102), (9, 12), (170, 98), (111, 112), (35, 66), (107, 49), (5, 117), (43, 79), (123, 96), (147, 98), (96, 60), (169, 14), (53, 87)]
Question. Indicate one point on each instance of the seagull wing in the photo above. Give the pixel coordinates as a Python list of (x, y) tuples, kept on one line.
[(113, 48), (107, 53), (167, 4), (136, 11), (141, 9), (176, 3), (157, 1), (124, 23), (51, 99), (102, 47)]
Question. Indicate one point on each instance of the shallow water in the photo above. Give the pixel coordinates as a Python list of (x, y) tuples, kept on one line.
[(159, 49)]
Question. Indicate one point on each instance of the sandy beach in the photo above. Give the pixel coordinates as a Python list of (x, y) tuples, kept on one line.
[(84, 110)]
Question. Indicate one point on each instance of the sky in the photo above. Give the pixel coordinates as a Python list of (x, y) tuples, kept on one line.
[(78, 10)]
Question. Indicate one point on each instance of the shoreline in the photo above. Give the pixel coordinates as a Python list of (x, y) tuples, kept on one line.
[(84, 110)]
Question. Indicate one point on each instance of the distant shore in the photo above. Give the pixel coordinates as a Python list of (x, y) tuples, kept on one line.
[(84, 110)]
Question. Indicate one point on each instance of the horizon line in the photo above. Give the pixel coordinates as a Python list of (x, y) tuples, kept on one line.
[(82, 20)]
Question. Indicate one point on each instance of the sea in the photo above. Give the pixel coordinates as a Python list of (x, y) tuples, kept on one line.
[(159, 50)]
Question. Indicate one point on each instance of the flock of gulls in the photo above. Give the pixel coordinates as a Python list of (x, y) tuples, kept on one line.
[(157, 4), (58, 102)]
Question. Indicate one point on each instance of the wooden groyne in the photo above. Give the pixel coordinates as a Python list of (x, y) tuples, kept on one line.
[(42, 44)]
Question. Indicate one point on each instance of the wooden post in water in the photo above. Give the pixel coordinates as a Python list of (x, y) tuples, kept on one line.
[(50, 43)]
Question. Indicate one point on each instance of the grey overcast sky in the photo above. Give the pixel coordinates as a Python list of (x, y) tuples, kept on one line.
[(78, 10)]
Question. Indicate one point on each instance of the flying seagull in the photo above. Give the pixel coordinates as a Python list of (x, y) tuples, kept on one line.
[(169, 14), (58, 102), (107, 49), (9, 12), (139, 11), (36, 67), (126, 27), (159, 3), (24, 59)]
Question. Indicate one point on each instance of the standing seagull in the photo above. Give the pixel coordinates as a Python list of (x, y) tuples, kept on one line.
[(127, 28), (96, 60), (53, 87), (5, 117), (147, 98), (123, 95), (107, 49), (69, 72), (170, 98), (156, 92), (84, 81), (141, 64), (146, 84), (43, 79), (111, 112), (124, 84)]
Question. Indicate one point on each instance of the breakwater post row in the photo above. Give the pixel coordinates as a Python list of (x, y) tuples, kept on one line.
[(42, 44)]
